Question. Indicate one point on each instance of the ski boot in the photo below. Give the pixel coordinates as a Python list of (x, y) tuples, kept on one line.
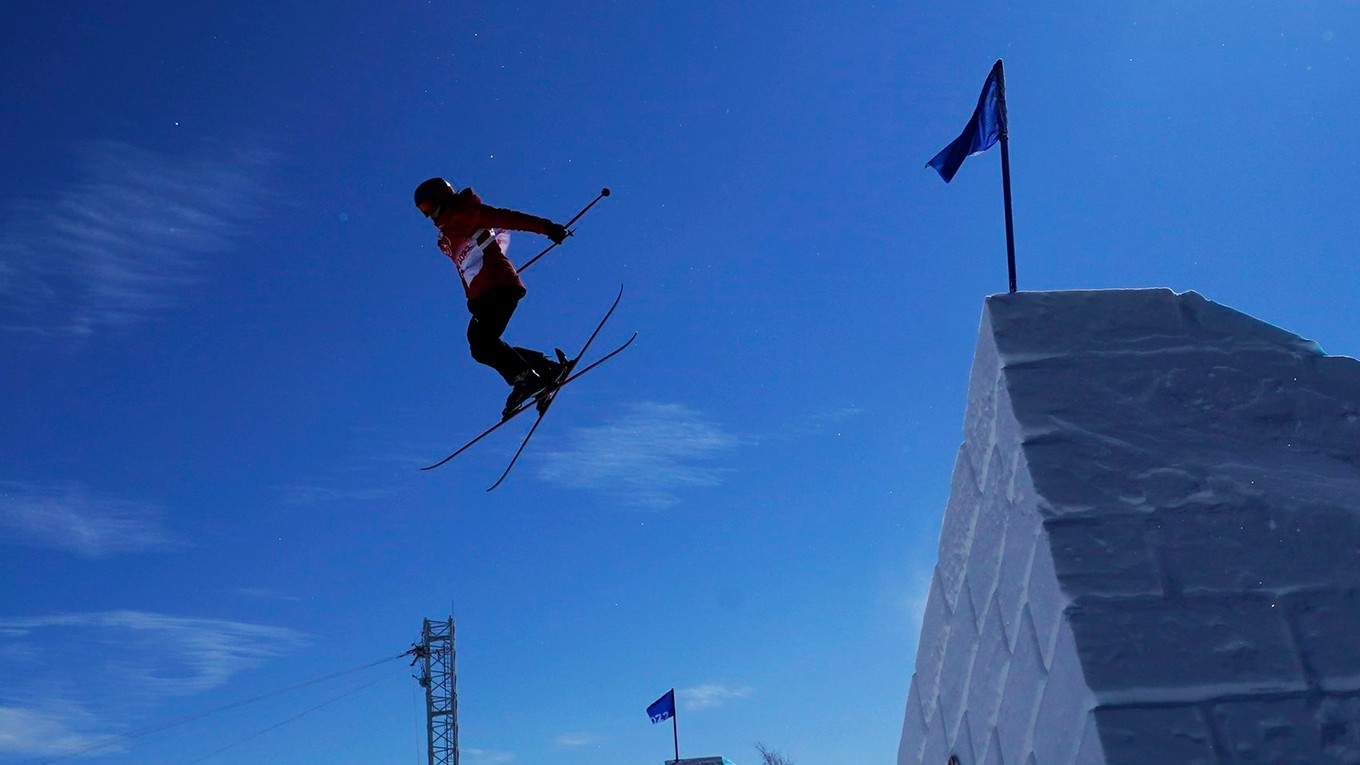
[(561, 369), (529, 384)]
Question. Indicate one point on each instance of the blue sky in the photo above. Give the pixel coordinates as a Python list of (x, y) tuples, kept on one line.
[(229, 342)]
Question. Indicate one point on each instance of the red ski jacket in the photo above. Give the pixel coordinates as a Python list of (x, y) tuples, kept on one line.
[(475, 237)]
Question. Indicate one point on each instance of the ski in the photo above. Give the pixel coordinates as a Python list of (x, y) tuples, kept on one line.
[(544, 398)]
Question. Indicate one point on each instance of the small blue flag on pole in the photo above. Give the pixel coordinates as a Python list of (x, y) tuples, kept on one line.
[(982, 131), (663, 708)]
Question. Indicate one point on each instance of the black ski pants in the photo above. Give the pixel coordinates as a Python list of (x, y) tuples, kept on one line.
[(491, 312)]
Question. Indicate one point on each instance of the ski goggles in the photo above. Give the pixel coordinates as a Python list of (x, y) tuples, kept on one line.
[(429, 208)]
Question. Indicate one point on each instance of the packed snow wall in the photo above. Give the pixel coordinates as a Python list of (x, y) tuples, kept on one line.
[(1151, 552)]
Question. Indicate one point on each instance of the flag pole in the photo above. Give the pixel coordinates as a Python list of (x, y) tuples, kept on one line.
[(675, 726), (1006, 170)]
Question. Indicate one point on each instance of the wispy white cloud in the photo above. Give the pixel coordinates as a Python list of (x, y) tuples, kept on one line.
[(262, 593), (486, 757), (51, 730), (374, 466), (575, 740), (908, 595), (124, 237), (314, 494), (914, 599), (71, 518), (644, 457), (711, 695), (155, 654), (833, 420), (129, 659)]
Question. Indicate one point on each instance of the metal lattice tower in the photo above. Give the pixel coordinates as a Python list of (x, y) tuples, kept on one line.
[(437, 676)]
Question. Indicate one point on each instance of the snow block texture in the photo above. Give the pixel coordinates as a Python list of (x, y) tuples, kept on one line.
[(1151, 553)]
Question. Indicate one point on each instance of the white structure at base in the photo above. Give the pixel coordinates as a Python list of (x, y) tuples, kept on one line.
[(1151, 553)]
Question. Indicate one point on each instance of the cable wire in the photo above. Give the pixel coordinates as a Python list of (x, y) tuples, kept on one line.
[(104, 743), (294, 718)]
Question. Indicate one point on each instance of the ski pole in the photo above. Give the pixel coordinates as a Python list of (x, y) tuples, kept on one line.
[(603, 193)]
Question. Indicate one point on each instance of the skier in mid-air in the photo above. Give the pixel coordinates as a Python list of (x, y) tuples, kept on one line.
[(475, 236)]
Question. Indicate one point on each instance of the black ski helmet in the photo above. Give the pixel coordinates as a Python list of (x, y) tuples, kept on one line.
[(436, 190)]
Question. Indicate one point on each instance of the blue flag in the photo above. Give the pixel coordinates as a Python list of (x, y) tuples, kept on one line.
[(982, 132), (663, 708)]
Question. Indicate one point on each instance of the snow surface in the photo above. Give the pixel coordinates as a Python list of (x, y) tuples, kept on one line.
[(1151, 552)]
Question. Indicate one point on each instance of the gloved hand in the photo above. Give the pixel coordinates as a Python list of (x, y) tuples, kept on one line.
[(557, 233)]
